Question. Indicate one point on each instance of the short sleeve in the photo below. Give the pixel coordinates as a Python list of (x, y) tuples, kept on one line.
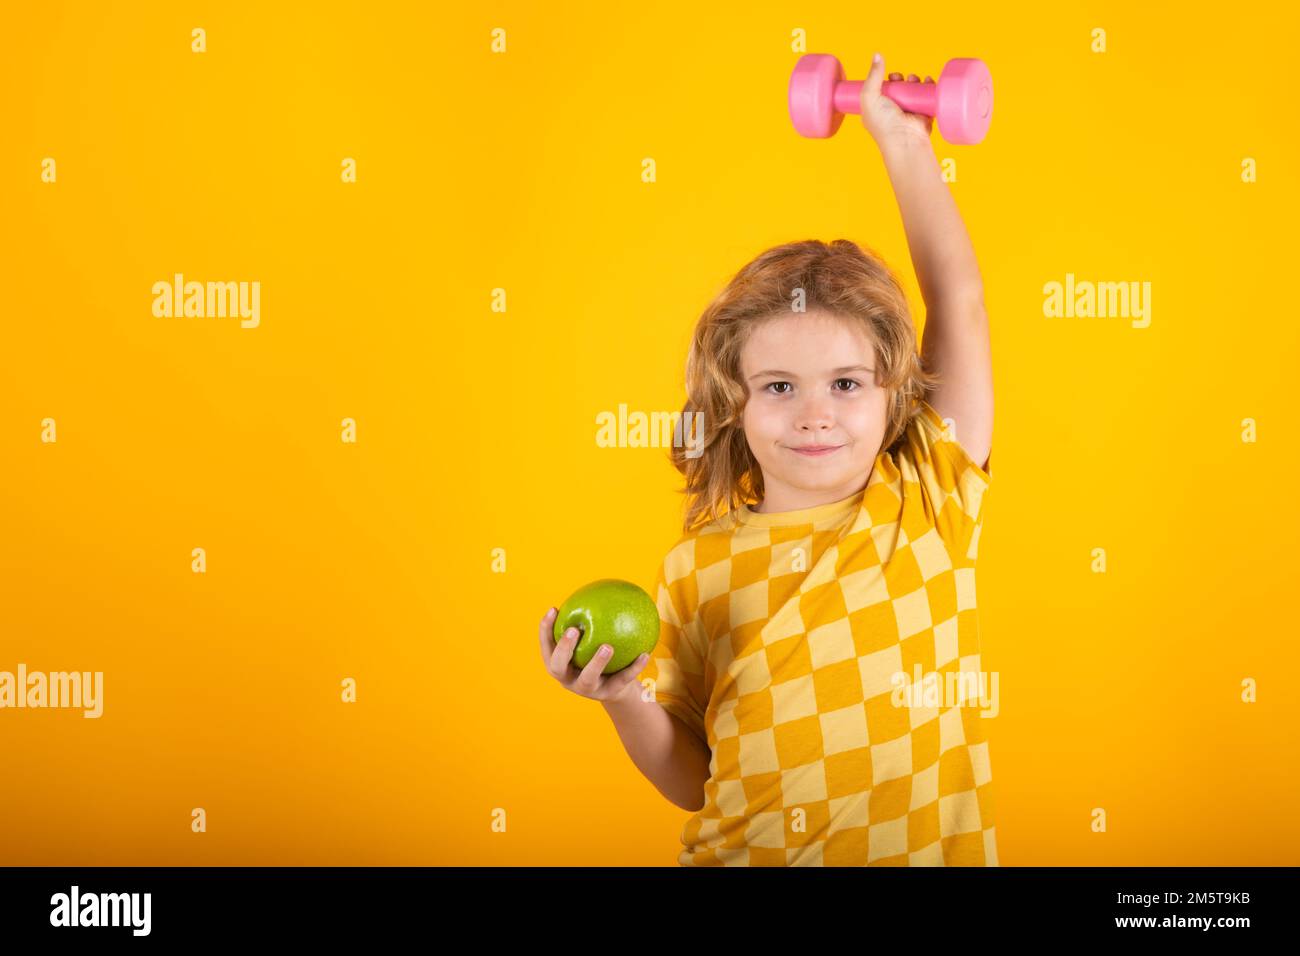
[(952, 483), (677, 663)]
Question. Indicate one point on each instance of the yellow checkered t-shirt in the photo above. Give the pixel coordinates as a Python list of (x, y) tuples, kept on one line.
[(785, 640)]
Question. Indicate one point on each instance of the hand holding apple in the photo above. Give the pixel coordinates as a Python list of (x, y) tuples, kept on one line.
[(609, 614)]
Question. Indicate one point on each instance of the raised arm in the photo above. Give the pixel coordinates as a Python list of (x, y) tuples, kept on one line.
[(955, 343)]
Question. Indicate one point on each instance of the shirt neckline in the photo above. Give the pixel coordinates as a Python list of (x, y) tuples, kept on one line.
[(813, 515)]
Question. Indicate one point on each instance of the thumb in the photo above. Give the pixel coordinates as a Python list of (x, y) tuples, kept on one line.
[(871, 87), (876, 75)]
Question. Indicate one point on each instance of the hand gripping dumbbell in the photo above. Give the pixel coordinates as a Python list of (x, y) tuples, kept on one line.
[(962, 100)]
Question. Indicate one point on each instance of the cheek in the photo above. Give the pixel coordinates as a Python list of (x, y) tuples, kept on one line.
[(868, 417), (862, 420), (768, 419), (762, 423)]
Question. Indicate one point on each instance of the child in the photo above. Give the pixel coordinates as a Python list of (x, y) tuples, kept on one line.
[(829, 551)]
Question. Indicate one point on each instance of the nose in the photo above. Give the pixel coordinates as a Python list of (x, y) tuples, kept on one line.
[(815, 414)]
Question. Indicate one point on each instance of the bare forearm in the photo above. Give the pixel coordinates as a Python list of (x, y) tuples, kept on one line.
[(942, 254), (663, 748)]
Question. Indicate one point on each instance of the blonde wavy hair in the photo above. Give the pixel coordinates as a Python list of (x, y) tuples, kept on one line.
[(838, 278)]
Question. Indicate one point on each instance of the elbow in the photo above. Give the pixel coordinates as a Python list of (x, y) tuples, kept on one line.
[(694, 805), (697, 797)]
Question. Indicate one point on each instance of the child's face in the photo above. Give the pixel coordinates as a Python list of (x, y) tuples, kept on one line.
[(811, 381)]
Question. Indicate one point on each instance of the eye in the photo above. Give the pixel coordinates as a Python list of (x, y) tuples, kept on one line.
[(856, 385), (771, 384)]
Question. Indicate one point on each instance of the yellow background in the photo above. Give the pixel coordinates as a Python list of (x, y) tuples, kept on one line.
[(477, 429)]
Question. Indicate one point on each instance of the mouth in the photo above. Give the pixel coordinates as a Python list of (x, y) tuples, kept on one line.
[(816, 451)]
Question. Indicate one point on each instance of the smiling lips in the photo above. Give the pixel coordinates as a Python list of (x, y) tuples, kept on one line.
[(816, 451)]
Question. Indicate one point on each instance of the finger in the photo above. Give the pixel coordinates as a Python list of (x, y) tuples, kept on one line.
[(871, 86), (589, 679), (629, 674), (546, 636), (929, 79), (895, 76), (875, 75), (913, 78), (564, 651)]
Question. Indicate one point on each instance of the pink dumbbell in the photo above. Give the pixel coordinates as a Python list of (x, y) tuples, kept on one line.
[(962, 100)]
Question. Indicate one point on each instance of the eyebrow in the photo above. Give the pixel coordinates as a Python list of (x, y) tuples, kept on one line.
[(837, 371)]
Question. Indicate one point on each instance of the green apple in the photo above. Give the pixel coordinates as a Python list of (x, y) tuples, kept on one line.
[(613, 612)]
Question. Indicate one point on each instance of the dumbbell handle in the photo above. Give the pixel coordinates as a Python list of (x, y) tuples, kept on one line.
[(920, 98)]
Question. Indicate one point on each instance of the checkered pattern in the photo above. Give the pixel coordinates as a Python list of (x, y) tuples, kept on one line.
[(780, 636)]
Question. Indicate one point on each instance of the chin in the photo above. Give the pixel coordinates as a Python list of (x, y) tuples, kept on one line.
[(813, 480)]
